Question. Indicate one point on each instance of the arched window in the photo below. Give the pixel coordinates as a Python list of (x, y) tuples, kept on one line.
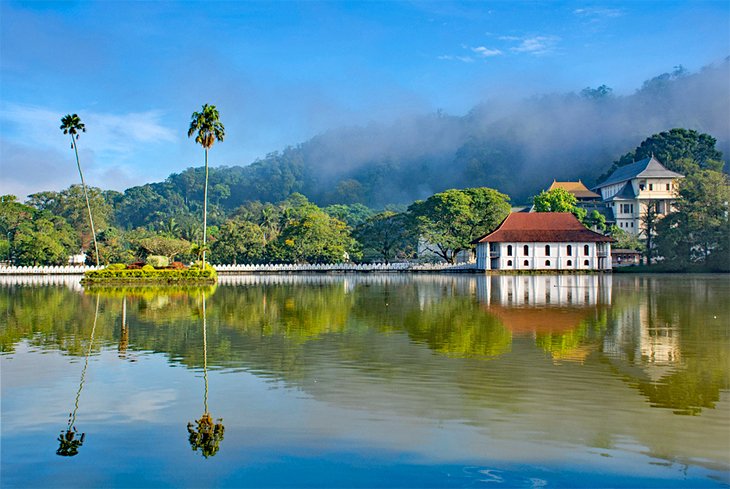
[(509, 250), (547, 263), (526, 263), (570, 252), (509, 263), (525, 250), (547, 250), (586, 263), (570, 262), (586, 250)]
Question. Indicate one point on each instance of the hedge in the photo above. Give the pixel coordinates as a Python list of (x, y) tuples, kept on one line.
[(150, 274)]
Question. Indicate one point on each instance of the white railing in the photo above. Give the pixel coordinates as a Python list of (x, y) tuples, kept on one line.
[(46, 270), (268, 268)]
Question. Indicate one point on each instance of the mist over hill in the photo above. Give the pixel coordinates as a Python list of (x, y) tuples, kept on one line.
[(515, 147)]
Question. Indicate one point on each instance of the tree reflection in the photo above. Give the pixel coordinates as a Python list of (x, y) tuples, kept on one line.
[(205, 435), (69, 443)]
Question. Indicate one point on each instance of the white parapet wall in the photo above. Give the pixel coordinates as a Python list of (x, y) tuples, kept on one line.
[(266, 268)]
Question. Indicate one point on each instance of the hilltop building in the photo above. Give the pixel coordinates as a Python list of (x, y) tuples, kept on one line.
[(629, 190), (543, 241)]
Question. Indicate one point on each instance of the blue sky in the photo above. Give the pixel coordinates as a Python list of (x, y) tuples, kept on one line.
[(282, 72)]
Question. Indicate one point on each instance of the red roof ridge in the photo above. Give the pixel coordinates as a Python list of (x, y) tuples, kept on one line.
[(542, 227)]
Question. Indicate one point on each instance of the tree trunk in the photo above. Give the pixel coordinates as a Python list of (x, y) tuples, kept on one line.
[(205, 207), (86, 195)]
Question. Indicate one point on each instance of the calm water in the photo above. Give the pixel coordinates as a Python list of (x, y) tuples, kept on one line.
[(368, 381)]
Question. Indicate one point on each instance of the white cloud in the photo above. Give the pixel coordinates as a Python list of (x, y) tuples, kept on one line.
[(598, 12), (485, 52), (464, 59), (536, 45), (480, 51), (106, 133)]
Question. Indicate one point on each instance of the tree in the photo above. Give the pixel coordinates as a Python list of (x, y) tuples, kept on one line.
[(625, 240), (558, 200), (448, 222), (71, 124), (309, 235), (680, 150), (44, 240), (71, 204), (650, 218), (209, 129), (388, 235), (239, 241), (698, 230), (595, 220), (162, 245)]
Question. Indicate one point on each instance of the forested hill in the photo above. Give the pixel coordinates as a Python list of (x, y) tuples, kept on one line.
[(517, 148)]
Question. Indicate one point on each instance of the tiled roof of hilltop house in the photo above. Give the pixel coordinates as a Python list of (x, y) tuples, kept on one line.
[(626, 193), (646, 168), (542, 227), (576, 188)]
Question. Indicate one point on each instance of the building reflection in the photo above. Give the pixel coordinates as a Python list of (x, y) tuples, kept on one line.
[(564, 315)]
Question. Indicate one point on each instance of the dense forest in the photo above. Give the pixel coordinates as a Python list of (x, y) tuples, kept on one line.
[(370, 193), (516, 148)]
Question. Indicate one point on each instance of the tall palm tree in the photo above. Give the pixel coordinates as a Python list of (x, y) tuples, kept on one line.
[(209, 129), (71, 124)]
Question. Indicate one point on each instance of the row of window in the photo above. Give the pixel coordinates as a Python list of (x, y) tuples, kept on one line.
[(642, 186), (547, 263), (569, 250), (621, 224)]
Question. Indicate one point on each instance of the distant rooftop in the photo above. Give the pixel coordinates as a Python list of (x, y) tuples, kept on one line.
[(646, 168), (576, 188)]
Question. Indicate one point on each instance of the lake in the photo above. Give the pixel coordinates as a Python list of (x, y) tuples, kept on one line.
[(390, 380)]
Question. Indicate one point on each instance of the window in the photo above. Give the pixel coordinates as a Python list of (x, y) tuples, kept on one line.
[(509, 250), (586, 263), (570, 250), (547, 250), (526, 263), (509, 263), (570, 263), (547, 263), (632, 224), (669, 186), (651, 186), (586, 250), (526, 250), (641, 186)]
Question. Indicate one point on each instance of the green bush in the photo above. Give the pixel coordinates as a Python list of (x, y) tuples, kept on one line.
[(117, 266), (158, 261), (150, 274)]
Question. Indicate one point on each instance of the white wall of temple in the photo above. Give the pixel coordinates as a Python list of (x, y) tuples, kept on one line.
[(543, 256), (545, 290)]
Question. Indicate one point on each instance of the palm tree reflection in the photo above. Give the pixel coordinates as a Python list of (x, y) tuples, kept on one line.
[(69, 443), (205, 434)]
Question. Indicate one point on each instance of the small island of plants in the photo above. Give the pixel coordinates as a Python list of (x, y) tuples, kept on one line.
[(156, 270)]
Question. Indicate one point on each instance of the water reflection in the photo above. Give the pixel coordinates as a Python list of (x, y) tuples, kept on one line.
[(69, 443), (205, 435), (666, 338)]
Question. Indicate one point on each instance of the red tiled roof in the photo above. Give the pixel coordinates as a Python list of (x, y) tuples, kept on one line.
[(543, 227)]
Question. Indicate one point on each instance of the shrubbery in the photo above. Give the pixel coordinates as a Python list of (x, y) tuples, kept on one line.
[(149, 273)]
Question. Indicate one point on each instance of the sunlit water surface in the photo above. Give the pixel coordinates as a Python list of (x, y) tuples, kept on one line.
[(368, 381)]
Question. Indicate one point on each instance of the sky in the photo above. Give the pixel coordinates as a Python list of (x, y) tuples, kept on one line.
[(282, 72)]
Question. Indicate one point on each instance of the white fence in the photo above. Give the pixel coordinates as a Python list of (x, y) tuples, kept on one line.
[(278, 268)]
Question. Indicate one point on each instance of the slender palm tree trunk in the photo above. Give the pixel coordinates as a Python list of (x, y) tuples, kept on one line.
[(88, 205), (205, 207), (205, 356)]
